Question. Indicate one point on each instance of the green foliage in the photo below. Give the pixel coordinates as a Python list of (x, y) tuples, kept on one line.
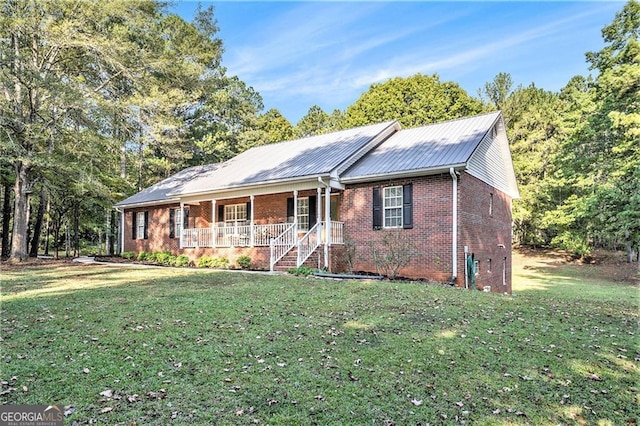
[(413, 101), (127, 255), (213, 262), (165, 258), (302, 270), (143, 256), (317, 122), (573, 243), (276, 127), (244, 262), (182, 261)]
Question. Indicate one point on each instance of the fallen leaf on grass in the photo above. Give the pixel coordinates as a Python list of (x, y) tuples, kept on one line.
[(106, 410), (132, 398), (86, 370), (107, 393), (595, 377), (416, 402)]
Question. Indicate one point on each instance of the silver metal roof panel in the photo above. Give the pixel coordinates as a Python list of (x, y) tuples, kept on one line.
[(424, 148)]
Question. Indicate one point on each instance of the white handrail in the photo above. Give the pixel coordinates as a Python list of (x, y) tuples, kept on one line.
[(280, 245), (309, 243)]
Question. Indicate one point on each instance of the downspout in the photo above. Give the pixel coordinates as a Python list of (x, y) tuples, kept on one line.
[(454, 226), (121, 248)]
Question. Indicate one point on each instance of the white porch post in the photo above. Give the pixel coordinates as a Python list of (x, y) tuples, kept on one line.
[(327, 218), (319, 206), (182, 224), (213, 222), (251, 229), (295, 208)]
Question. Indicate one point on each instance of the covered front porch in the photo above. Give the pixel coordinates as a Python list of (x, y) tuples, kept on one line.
[(296, 223)]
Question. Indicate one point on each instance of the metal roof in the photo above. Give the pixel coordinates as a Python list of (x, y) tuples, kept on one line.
[(300, 158), (450, 143), (159, 192)]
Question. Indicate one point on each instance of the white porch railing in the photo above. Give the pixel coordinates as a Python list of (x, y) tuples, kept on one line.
[(337, 232), (262, 234), (197, 237), (309, 242), (223, 235), (282, 244), (232, 235)]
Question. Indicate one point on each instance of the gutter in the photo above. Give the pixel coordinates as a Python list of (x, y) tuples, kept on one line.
[(403, 174), (454, 225)]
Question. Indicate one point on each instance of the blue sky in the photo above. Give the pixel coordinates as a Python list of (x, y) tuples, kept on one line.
[(297, 54)]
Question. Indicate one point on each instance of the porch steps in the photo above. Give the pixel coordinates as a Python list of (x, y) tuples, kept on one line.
[(291, 258)]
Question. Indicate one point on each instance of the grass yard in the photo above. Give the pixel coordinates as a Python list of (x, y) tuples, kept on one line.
[(161, 346)]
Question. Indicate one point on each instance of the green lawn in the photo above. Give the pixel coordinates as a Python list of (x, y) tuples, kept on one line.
[(156, 346)]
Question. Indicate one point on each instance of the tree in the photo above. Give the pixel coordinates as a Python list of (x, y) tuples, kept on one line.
[(604, 154), (59, 60), (498, 90), (90, 89), (276, 126), (413, 101), (315, 122)]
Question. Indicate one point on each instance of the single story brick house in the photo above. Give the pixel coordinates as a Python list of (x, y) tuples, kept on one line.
[(447, 187)]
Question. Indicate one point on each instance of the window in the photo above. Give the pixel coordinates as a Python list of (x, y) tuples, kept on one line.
[(393, 207), (490, 204), (139, 224), (303, 214), (177, 222), (235, 214)]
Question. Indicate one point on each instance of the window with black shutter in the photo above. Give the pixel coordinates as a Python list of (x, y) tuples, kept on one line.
[(393, 207)]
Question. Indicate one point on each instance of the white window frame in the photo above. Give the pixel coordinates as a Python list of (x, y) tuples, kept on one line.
[(177, 222), (303, 213), (392, 206), (140, 225), (235, 214)]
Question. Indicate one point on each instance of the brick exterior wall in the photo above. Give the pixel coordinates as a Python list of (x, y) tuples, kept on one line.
[(487, 232), (487, 235), (484, 225), (431, 232)]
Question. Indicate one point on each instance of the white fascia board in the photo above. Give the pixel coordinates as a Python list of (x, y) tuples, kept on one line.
[(276, 187), (405, 174), (147, 204)]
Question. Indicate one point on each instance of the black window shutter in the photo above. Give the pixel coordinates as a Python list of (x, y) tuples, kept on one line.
[(221, 213), (313, 209), (290, 208), (377, 208), (407, 206), (172, 223), (134, 229), (185, 219), (248, 210), (146, 225)]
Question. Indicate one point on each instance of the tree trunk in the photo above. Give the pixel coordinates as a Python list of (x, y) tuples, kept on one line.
[(37, 229), (76, 231), (107, 233), (6, 221), (48, 228), (22, 189)]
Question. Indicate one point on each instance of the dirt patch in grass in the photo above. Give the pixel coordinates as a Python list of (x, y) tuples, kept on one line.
[(604, 265), (34, 262)]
